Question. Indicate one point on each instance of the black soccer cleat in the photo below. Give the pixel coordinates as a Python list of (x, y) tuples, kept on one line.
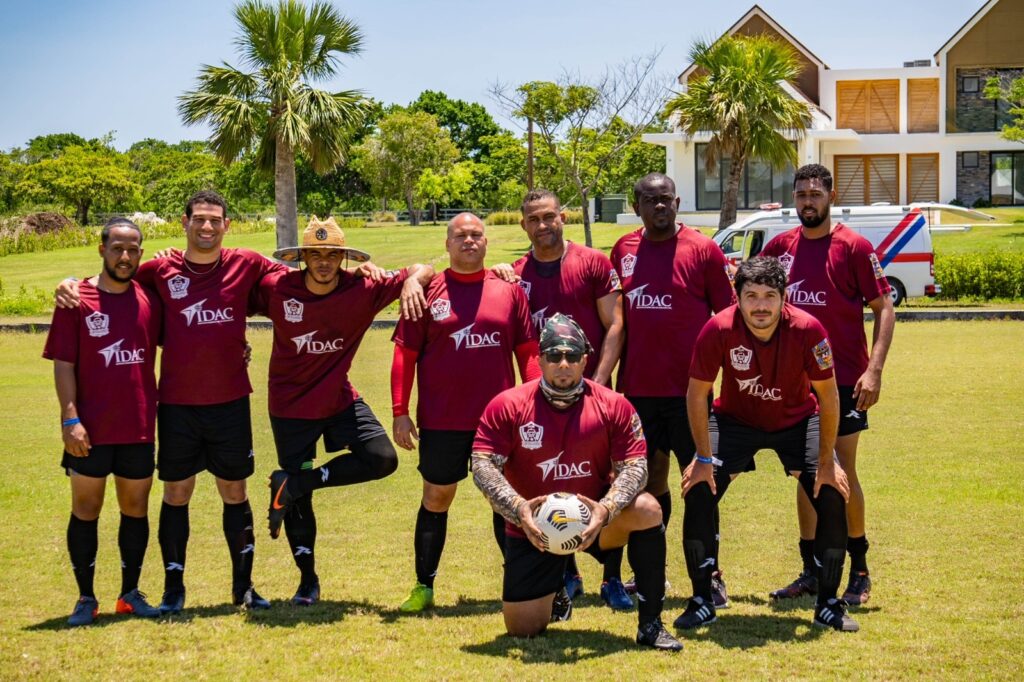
[(249, 599), (832, 614), (858, 590), (561, 607), (280, 501), (698, 613), (172, 603), (653, 634), (307, 595), (805, 583)]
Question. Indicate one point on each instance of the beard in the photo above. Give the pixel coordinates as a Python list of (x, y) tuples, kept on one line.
[(113, 274), (816, 220)]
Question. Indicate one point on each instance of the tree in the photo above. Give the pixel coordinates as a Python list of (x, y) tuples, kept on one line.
[(274, 108), (406, 144), (10, 173), (80, 178), (738, 99), (585, 125), (469, 124), (170, 174), (1010, 91), (448, 188)]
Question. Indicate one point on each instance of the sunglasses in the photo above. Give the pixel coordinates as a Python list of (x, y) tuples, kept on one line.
[(555, 357)]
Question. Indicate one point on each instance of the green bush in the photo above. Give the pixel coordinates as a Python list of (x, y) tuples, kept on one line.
[(350, 223), (384, 217), (25, 302), (503, 218), (981, 275), (573, 216)]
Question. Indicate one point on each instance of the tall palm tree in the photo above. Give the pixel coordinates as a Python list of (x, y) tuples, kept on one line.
[(272, 106), (738, 99)]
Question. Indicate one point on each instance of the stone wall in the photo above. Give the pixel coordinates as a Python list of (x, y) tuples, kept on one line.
[(974, 113), (973, 183)]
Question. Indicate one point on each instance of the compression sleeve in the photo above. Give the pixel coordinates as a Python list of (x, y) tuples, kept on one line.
[(403, 370), (526, 357)]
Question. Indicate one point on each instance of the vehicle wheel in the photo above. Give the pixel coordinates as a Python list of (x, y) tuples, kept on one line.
[(898, 293)]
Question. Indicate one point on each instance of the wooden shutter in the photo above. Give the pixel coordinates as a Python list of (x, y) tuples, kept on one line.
[(867, 179), (884, 178), (849, 179), (868, 106), (852, 105), (923, 105), (922, 177)]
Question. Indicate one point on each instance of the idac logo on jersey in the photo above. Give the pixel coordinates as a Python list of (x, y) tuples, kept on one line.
[(307, 344), (466, 338), (562, 471), (798, 296), (196, 313), (642, 301), (113, 352), (754, 388)]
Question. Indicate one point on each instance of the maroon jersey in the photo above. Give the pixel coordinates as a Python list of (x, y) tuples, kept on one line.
[(547, 450), (316, 337), (204, 324), (766, 385), (571, 286), (466, 347), (835, 293), (111, 339), (671, 289)]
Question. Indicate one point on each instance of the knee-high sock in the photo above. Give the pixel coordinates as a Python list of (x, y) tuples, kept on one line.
[(829, 536), (83, 542), (665, 500), (428, 543), (613, 564), (241, 542), (699, 538), (369, 461), (807, 555), (646, 550), (132, 539), (300, 527), (498, 526), (858, 549), (173, 534)]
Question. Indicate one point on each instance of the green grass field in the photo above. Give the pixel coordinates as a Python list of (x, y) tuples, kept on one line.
[(942, 466)]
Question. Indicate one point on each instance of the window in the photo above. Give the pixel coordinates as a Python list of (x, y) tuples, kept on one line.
[(868, 106), (1007, 179), (969, 84), (867, 179), (969, 160), (759, 184)]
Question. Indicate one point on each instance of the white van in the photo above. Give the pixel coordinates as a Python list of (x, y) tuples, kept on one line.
[(900, 234)]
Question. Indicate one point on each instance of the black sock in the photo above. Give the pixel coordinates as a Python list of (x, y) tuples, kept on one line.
[(807, 555), (83, 541), (665, 500), (428, 543), (613, 564), (698, 538), (858, 549), (172, 533), (369, 461), (498, 526), (571, 568), (132, 539), (646, 550), (829, 536), (716, 543), (300, 527), (241, 543)]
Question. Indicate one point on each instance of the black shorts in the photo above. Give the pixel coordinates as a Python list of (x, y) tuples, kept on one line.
[(444, 455), (296, 439), (736, 444), (217, 438), (531, 574), (134, 461), (851, 420), (666, 426)]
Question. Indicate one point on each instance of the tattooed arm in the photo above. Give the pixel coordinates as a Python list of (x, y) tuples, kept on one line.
[(630, 480), (488, 476)]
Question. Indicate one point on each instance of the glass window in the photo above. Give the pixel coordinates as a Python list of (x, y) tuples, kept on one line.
[(1018, 178), (969, 83), (759, 184), (1002, 179), (970, 160)]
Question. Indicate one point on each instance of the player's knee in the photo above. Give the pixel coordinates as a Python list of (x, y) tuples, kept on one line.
[(86, 508), (647, 511), (382, 457), (524, 627), (232, 492), (438, 498)]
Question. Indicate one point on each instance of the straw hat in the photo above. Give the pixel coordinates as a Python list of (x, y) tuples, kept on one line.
[(321, 234)]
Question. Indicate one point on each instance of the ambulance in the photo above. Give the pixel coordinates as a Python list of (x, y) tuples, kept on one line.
[(901, 236)]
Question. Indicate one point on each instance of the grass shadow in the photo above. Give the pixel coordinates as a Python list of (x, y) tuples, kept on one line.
[(751, 631), (556, 645), (464, 606)]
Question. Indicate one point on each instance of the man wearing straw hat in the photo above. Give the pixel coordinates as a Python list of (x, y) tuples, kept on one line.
[(320, 314)]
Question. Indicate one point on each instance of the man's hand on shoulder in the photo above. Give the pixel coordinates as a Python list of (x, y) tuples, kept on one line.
[(66, 293), (506, 272)]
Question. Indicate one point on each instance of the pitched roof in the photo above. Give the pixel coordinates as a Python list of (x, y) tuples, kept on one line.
[(968, 25)]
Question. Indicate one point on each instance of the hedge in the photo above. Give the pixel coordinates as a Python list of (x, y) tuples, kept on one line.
[(981, 275)]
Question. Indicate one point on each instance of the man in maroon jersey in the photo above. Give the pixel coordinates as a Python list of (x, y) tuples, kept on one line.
[(564, 433), (673, 278), (320, 314), (771, 355), (103, 356), (833, 272), (463, 350)]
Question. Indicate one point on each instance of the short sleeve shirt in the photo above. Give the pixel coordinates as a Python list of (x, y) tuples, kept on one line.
[(671, 288), (832, 278), (466, 344), (111, 340), (765, 385), (316, 338), (571, 286)]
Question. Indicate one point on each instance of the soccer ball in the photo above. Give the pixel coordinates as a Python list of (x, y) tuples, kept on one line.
[(562, 519)]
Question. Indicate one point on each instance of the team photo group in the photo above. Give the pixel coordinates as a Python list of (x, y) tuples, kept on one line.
[(563, 384)]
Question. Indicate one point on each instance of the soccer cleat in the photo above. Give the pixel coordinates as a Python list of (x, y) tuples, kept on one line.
[(858, 590), (805, 583), (280, 502), (85, 611), (719, 597), (135, 603), (614, 595), (420, 599), (561, 607), (832, 614), (307, 595), (172, 603), (250, 599), (697, 614), (653, 634), (630, 585), (574, 585)]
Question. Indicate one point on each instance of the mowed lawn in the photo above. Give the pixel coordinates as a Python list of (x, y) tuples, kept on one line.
[(942, 464)]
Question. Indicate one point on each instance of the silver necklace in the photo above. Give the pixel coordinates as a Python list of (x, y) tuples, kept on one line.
[(194, 272)]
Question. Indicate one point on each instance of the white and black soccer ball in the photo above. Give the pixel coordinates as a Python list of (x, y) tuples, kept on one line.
[(562, 519)]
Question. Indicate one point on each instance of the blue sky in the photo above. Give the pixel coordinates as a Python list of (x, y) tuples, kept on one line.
[(93, 67)]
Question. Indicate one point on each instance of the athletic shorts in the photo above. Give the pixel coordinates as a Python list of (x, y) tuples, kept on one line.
[(851, 420), (296, 439), (215, 438), (134, 461), (736, 444), (531, 574), (444, 455), (666, 426)]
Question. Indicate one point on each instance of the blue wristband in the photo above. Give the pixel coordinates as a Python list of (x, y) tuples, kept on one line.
[(705, 460), (71, 422)]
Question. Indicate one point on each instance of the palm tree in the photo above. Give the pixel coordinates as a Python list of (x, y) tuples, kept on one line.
[(738, 99), (273, 107)]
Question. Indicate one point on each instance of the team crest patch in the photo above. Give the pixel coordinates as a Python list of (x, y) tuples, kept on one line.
[(178, 286), (876, 266), (525, 286), (636, 428), (787, 262), (98, 324), (740, 358), (628, 264), (616, 283), (441, 309), (292, 310), (823, 354), (532, 435), (321, 234)]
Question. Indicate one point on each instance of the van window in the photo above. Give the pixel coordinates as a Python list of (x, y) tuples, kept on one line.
[(743, 244)]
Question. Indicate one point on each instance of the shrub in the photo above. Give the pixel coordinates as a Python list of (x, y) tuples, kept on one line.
[(350, 223), (25, 302), (384, 217), (503, 218), (573, 216), (981, 275), (981, 203)]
